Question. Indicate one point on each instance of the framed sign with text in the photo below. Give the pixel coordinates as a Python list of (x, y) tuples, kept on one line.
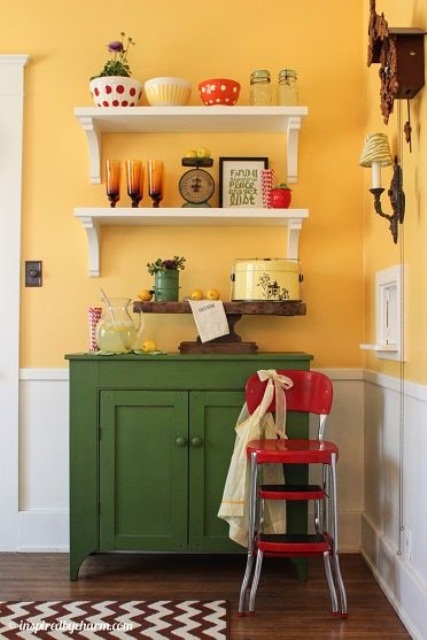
[(240, 182)]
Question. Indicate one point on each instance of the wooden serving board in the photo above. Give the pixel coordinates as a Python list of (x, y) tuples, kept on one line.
[(231, 343)]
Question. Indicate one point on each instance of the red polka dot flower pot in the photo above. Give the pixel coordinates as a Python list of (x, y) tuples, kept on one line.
[(115, 91)]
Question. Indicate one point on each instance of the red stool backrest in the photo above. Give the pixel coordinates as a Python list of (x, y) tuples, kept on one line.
[(312, 392)]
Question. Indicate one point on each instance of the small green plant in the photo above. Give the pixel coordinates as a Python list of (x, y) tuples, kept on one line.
[(118, 64), (176, 263)]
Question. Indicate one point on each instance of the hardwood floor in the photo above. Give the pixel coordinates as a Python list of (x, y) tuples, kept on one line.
[(286, 607)]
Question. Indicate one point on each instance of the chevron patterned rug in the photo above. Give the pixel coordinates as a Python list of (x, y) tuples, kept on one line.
[(83, 619)]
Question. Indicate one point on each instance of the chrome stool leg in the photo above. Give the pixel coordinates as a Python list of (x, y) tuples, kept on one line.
[(331, 582), (243, 600), (317, 524), (245, 585), (341, 587), (335, 558), (255, 581)]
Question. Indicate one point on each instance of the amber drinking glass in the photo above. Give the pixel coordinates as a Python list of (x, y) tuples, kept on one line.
[(135, 181), (113, 181), (155, 181)]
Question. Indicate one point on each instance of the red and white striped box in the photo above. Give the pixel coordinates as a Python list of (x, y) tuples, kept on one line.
[(267, 186), (94, 315)]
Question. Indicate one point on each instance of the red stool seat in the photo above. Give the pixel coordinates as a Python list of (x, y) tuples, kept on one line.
[(292, 451)]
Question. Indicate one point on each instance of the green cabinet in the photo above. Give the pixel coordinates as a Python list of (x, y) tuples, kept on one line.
[(151, 439), (164, 457)]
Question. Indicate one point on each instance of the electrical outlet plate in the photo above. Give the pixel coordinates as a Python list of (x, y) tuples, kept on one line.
[(33, 273)]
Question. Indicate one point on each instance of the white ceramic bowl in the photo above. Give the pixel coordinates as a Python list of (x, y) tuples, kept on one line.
[(167, 91)]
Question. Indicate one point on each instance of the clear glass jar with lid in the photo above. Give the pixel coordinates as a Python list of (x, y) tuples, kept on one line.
[(260, 93), (287, 89)]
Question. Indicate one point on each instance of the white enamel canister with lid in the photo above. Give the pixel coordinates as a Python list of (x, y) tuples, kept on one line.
[(269, 279)]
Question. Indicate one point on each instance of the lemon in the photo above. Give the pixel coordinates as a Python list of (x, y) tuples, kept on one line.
[(191, 153), (196, 294), (148, 346), (212, 294), (144, 295), (203, 153)]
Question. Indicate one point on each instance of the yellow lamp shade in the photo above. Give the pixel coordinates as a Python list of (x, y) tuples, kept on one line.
[(376, 149)]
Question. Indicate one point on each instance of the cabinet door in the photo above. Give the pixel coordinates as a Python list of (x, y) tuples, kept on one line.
[(143, 470), (213, 415)]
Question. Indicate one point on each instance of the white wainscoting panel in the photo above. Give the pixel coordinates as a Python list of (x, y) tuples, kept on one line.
[(394, 524), (43, 458), (345, 426), (43, 518)]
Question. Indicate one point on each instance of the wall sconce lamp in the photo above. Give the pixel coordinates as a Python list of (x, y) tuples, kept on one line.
[(376, 154)]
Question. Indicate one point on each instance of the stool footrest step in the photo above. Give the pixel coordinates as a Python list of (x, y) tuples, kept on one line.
[(292, 545), (302, 492)]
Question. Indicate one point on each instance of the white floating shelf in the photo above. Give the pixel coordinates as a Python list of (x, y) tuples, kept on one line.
[(93, 219), (215, 119)]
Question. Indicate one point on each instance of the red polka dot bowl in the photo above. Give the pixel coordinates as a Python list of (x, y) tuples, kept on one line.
[(219, 91), (115, 91)]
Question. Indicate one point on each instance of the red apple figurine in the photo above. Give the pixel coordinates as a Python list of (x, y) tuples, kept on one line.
[(281, 197)]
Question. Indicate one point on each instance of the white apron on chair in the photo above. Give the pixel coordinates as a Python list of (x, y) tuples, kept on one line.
[(258, 425)]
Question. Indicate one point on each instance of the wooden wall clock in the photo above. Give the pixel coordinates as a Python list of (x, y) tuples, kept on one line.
[(400, 53)]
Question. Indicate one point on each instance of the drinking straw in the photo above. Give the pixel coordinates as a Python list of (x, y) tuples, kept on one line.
[(109, 305)]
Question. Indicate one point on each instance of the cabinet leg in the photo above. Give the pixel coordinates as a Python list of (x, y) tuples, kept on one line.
[(76, 562)]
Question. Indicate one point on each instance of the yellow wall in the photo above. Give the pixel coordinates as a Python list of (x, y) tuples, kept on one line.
[(66, 42), (380, 252)]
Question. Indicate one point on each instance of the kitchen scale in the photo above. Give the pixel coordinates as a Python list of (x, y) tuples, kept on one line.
[(196, 186)]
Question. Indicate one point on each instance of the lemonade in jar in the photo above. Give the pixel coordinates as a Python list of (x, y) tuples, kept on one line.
[(116, 331)]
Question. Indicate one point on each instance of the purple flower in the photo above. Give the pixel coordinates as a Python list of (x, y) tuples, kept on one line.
[(118, 64), (115, 47), (176, 263), (169, 264)]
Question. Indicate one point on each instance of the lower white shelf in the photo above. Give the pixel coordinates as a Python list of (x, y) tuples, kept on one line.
[(93, 219)]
